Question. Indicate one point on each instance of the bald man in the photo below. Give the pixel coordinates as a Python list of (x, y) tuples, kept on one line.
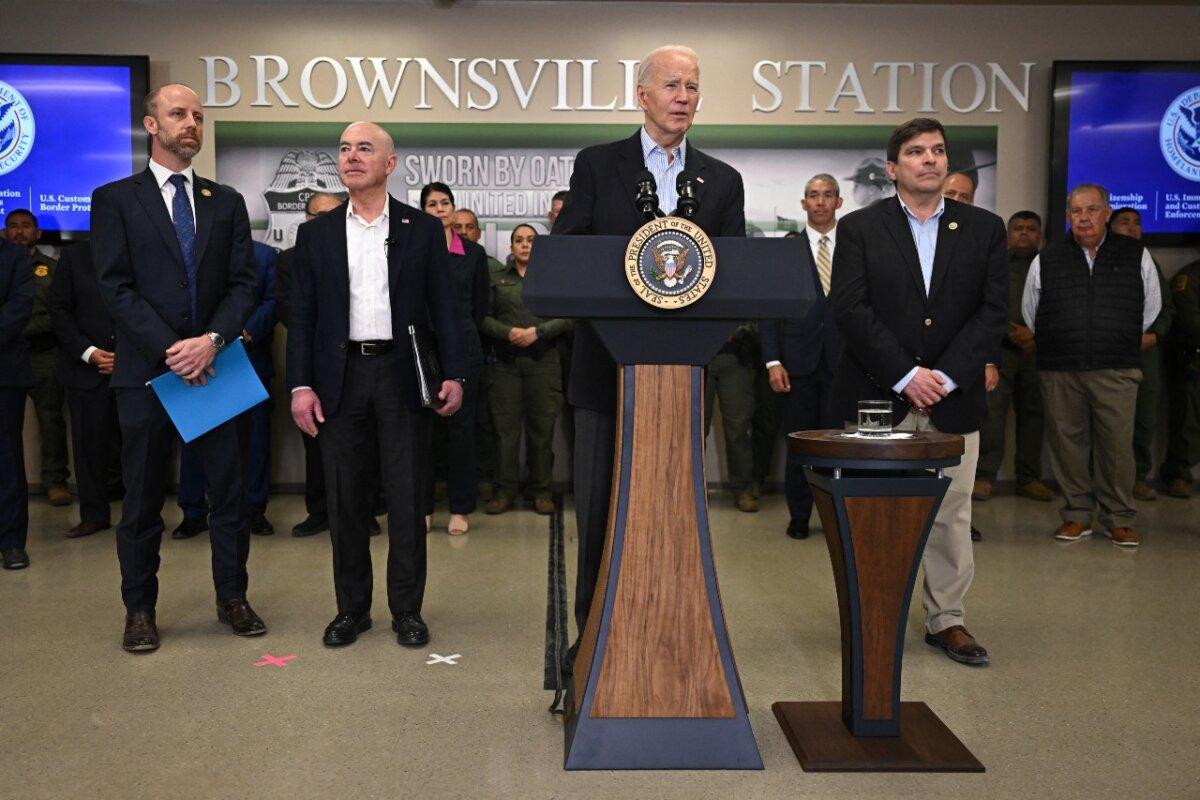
[(362, 274)]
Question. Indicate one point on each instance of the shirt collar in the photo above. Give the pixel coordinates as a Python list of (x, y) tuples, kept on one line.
[(350, 214), (456, 245), (908, 213), (162, 174), (649, 146), (815, 235)]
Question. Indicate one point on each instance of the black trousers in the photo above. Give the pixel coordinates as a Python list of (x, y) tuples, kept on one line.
[(805, 407), (147, 440), (314, 476), (95, 435), (373, 414), (595, 443), (454, 437), (14, 491)]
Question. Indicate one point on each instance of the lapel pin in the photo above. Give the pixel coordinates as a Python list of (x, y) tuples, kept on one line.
[(404, 220), (206, 192), (699, 180), (953, 226)]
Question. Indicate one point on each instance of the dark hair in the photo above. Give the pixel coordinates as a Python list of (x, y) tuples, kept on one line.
[(318, 196), (1126, 210), (17, 211), (792, 235), (522, 225), (436, 186), (1033, 215), (909, 131), (560, 195)]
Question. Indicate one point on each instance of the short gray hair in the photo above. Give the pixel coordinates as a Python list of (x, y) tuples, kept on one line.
[(648, 63), (1084, 187), (824, 176)]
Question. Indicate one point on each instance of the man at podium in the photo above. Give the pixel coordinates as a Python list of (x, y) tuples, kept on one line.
[(601, 202)]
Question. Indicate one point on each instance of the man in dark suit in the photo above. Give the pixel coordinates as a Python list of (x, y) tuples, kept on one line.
[(802, 353), (16, 376), (601, 202), (920, 288), (362, 274), (176, 270), (87, 337)]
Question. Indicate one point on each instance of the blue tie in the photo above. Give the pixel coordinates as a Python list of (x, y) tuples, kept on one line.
[(185, 232)]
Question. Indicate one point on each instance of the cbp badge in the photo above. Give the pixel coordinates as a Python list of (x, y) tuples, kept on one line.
[(301, 174), (670, 262)]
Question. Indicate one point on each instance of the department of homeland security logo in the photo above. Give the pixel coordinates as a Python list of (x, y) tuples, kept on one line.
[(670, 262), (16, 128), (1179, 134), (301, 173)]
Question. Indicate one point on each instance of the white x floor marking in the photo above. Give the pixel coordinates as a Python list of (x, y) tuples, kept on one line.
[(434, 658)]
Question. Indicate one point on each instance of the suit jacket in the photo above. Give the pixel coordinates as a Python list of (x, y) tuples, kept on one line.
[(283, 286), (80, 317), (143, 279), (261, 325), (16, 309), (891, 326), (421, 295), (601, 202), (800, 343)]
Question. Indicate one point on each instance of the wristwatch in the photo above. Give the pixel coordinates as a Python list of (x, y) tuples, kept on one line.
[(218, 341)]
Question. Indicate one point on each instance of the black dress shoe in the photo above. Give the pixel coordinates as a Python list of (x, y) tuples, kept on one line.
[(411, 630), (191, 526), (976, 536), (797, 531), (238, 615), (87, 529), (345, 629), (259, 525), (16, 558), (141, 634), (311, 526)]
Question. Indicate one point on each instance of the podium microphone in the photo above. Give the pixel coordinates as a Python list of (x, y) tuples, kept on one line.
[(647, 196), (685, 186)]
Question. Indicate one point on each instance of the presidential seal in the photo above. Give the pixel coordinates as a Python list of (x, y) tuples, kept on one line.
[(1179, 134), (16, 128), (300, 174), (670, 262)]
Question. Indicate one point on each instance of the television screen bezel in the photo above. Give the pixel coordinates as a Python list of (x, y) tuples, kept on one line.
[(139, 85), (1060, 117)]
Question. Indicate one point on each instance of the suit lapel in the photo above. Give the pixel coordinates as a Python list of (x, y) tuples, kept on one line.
[(399, 228), (897, 227), (696, 163), (150, 196), (631, 163), (948, 235), (339, 264), (203, 200)]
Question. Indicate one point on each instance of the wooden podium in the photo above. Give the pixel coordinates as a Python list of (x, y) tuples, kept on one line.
[(877, 499), (655, 685)]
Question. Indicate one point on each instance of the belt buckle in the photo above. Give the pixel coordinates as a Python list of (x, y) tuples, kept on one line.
[(367, 348)]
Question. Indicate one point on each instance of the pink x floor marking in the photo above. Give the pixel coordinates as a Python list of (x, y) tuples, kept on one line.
[(269, 660)]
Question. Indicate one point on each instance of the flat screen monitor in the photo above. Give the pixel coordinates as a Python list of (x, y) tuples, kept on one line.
[(68, 124)]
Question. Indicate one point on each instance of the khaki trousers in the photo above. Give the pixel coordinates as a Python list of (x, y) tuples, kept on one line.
[(1089, 424), (949, 558)]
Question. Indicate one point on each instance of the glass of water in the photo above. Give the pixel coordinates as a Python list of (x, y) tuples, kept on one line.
[(874, 417)]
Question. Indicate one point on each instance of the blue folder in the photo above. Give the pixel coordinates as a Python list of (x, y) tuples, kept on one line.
[(196, 410)]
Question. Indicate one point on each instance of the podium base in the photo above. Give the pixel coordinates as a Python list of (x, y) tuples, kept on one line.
[(822, 743)]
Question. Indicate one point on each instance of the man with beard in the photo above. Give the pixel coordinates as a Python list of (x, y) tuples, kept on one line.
[(176, 269)]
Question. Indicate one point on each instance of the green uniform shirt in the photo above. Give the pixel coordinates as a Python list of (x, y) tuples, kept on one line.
[(40, 330), (1162, 323), (1185, 292), (1018, 271), (508, 311)]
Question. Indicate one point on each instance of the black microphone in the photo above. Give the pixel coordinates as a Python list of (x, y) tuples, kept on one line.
[(647, 196), (687, 206)]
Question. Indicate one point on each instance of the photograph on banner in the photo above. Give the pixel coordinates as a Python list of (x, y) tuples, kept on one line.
[(508, 173)]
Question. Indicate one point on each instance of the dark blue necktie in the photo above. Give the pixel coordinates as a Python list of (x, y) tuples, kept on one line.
[(185, 232)]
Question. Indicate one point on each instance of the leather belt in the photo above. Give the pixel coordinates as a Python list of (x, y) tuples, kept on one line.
[(373, 348)]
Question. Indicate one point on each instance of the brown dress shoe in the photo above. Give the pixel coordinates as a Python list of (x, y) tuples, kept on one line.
[(1036, 490), (141, 634), (982, 490), (747, 503), (59, 496), (1141, 491), (543, 505), (1179, 488), (959, 645), (1072, 532), (86, 529), (498, 505), (238, 615), (1126, 537)]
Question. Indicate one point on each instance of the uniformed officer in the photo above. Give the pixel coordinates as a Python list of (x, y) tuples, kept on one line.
[(1128, 222), (526, 384), (21, 226), (729, 379), (1183, 383)]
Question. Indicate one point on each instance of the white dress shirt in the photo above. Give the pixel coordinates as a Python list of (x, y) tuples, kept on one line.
[(1151, 292), (814, 243), (925, 237), (370, 300), (664, 171)]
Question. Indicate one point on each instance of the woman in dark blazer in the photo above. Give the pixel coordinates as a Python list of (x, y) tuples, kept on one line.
[(469, 276)]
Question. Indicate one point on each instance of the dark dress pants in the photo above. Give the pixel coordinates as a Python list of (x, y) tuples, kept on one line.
[(254, 432), (805, 407), (314, 476), (373, 417), (14, 491), (595, 443), (455, 437), (147, 439), (95, 435)]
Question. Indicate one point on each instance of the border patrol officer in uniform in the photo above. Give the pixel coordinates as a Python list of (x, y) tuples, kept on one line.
[(1183, 383)]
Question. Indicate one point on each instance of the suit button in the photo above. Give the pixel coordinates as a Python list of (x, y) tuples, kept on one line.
[(186, 317), (928, 322), (342, 346), (183, 284)]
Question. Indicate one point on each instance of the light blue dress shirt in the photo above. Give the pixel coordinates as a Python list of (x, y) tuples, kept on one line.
[(655, 159), (925, 236)]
